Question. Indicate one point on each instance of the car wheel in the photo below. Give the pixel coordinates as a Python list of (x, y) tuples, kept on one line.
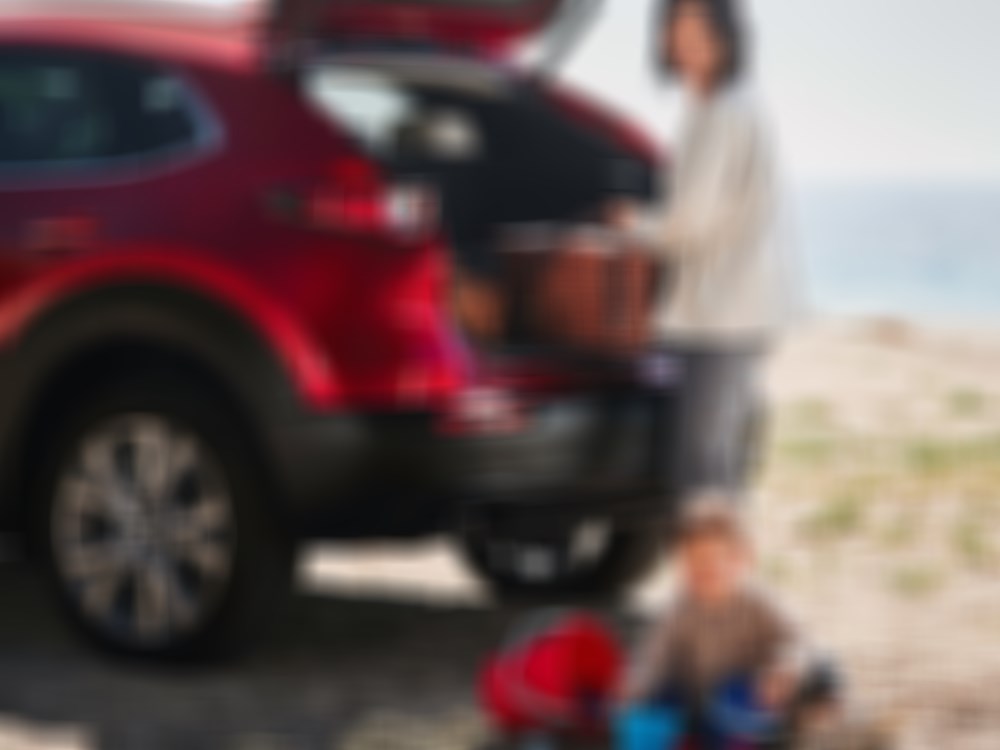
[(153, 523), (588, 561)]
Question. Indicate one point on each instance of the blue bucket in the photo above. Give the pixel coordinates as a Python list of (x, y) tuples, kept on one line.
[(648, 729), (736, 713)]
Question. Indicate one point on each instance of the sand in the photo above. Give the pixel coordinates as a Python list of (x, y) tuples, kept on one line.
[(879, 516)]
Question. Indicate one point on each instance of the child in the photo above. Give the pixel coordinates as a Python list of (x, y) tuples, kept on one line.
[(723, 638)]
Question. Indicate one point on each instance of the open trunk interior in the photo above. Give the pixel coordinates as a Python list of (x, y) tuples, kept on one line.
[(507, 163)]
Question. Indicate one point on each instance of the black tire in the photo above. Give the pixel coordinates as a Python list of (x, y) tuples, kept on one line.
[(248, 579), (628, 555)]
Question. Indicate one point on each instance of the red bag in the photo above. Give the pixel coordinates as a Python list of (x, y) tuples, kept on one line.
[(559, 676)]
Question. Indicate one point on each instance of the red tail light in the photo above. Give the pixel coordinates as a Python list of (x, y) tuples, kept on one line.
[(354, 198)]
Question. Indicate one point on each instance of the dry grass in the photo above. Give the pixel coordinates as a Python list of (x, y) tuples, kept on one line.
[(881, 514)]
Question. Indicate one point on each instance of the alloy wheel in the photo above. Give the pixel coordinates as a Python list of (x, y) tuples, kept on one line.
[(143, 533)]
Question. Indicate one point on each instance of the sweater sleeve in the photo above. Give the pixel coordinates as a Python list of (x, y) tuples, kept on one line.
[(718, 214)]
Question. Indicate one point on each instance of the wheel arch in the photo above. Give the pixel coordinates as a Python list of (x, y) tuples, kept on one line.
[(122, 330)]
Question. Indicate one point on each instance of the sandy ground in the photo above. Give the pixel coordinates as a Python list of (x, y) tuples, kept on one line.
[(878, 518)]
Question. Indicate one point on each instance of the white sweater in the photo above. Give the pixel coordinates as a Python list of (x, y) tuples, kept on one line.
[(723, 228)]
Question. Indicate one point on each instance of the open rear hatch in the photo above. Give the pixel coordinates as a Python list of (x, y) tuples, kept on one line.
[(486, 27), (518, 165)]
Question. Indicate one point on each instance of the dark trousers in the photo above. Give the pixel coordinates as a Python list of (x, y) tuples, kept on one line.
[(706, 428)]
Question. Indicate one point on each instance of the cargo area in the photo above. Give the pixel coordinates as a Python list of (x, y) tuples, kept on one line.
[(521, 184)]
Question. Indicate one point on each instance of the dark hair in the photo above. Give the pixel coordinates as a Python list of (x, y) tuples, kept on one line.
[(728, 22)]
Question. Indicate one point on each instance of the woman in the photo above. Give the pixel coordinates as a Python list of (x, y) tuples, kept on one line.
[(721, 234)]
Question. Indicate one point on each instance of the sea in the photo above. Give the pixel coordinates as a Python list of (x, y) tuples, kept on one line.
[(928, 253)]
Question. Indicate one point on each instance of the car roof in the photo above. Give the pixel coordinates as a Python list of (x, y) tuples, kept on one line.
[(232, 44)]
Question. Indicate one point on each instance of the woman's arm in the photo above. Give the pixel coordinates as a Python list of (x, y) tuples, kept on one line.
[(709, 215)]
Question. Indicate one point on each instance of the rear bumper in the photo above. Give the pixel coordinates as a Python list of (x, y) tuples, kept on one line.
[(365, 476)]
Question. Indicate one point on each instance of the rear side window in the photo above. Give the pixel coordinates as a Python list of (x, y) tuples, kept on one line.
[(372, 108), (392, 121), (63, 110)]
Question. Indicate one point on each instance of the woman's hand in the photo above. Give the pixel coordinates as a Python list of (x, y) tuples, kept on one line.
[(479, 307), (620, 213)]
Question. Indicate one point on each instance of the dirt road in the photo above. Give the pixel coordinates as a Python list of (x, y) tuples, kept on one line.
[(342, 672)]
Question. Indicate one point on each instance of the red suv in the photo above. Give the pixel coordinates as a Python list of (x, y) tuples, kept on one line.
[(226, 313)]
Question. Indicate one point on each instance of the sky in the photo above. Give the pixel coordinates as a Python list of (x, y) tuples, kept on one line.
[(861, 91)]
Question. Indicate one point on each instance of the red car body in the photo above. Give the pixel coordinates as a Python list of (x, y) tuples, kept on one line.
[(333, 345), (299, 289)]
